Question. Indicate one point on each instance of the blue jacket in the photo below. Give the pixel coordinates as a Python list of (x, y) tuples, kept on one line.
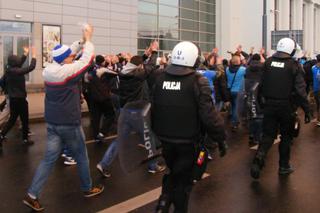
[(316, 78), (62, 101), (239, 79)]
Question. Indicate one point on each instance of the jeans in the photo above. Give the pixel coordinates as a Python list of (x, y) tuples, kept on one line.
[(129, 121), (234, 110), (57, 137)]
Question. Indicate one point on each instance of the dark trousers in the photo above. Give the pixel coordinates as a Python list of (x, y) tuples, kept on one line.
[(177, 185), (277, 118), (99, 109), (18, 107)]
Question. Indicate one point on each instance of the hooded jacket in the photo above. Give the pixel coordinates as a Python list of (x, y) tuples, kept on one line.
[(62, 101), (133, 85), (15, 83)]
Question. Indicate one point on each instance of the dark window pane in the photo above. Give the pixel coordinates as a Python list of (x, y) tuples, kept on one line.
[(205, 17), (205, 37), (191, 4), (167, 44), (169, 34), (145, 7), (143, 43), (189, 36), (147, 25), (189, 14), (210, 28), (206, 47), (209, 8), (19, 27), (189, 25)]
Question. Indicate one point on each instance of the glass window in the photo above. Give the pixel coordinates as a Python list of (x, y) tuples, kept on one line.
[(206, 17), (206, 47), (168, 23), (7, 49), (209, 8), (189, 36), (206, 37), (147, 25), (189, 25), (169, 34), (191, 4), (189, 14), (170, 2), (143, 43), (206, 27), (19, 27), (145, 7), (167, 44), (168, 11)]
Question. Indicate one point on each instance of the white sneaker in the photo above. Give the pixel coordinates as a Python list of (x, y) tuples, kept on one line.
[(69, 161), (318, 124)]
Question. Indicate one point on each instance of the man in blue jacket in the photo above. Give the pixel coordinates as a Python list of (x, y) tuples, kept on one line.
[(316, 86), (63, 116)]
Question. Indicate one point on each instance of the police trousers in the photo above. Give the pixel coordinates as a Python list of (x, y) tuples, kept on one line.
[(177, 185), (277, 119)]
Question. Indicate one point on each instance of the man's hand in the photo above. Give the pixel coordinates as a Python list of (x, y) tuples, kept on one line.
[(87, 32), (34, 52), (25, 51), (222, 148)]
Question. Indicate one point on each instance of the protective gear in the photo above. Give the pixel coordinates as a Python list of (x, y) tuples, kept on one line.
[(186, 54), (287, 45)]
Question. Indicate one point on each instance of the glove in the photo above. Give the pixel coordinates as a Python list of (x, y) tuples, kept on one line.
[(223, 148), (307, 118)]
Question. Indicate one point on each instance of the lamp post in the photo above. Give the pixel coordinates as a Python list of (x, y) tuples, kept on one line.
[(264, 25)]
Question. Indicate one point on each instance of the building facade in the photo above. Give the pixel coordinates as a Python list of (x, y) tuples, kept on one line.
[(240, 22)]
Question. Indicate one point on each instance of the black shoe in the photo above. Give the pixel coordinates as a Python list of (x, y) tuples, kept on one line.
[(256, 168), (285, 170), (164, 203), (100, 138), (234, 128), (27, 142)]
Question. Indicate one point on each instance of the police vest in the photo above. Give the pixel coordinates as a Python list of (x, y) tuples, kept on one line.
[(278, 78), (175, 111)]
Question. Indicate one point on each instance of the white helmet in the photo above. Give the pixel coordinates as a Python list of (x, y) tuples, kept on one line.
[(287, 45), (186, 54)]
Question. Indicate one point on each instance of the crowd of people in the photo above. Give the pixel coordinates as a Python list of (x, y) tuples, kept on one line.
[(238, 87)]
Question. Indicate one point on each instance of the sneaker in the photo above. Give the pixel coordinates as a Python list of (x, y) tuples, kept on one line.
[(285, 170), (104, 172), (156, 169), (99, 138), (63, 155), (318, 124), (94, 191), (27, 142), (69, 161), (32, 203), (210, 157), (234, 128)]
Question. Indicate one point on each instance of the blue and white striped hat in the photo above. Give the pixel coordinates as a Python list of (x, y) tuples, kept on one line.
[(60, 52)]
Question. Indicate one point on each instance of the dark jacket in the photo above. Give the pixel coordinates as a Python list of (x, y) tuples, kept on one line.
[(208, 119), (220, 85), (253, 74), (283, 80), (15, 83), (133, 81)]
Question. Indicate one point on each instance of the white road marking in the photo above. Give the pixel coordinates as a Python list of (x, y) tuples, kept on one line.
[(138, 201)]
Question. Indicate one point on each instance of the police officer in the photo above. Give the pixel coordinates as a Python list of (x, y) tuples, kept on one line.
[(182, 103), (282, 79)]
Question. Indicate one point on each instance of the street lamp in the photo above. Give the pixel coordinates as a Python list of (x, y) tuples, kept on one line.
[(264, 25)]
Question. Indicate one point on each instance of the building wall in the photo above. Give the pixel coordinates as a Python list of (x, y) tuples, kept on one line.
[(115, 22), (240, 22)]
